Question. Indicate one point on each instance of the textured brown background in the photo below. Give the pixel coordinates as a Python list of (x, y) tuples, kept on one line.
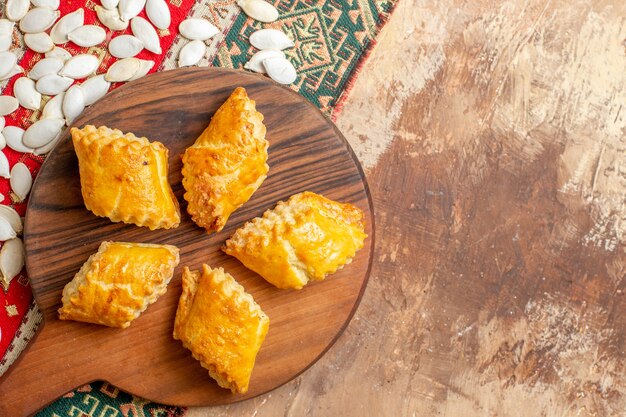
[(493, 134)]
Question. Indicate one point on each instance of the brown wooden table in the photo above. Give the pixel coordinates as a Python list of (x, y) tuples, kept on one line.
[(494, 138)]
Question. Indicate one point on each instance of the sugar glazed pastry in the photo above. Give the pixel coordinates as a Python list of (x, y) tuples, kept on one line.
[(221, 325), (226, 164), (124, 177), (304, 239), (118, 283)]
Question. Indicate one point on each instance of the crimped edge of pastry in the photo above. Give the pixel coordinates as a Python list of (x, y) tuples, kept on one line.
[(230, 288), (106, 136), (71, 288)]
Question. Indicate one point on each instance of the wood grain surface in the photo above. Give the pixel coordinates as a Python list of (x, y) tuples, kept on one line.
[(306, 153), (493, 137)]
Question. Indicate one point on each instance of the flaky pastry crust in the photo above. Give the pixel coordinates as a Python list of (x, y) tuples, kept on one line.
[(221, 325), (226, 164), (303, 239), (124, 177), (117, 283)]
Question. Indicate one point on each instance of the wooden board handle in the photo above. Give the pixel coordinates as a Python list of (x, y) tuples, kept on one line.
[(40, 374)]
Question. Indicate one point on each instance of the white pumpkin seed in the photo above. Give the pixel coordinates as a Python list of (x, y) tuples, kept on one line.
[(5, 42), (94, 89), (197, 29), (130, 8), (44, 67), (53, 84), (60, 53), (12, 257), (38, 20), (259, 10), (73, 103), (9, 214), (8, 104), (146, 33), (47, 148), (191, 53), (6, 27), (80, 66), (6, 231), (87, 36), (14, 71), (144, 68), (280, 70), (39, 42), (3, 143), (6, 34), (67, 24), (54, 108), (111, 19), (125, 46), (13, 136), (123, 70), (16, 9), (21, 181), (27, 94), (110, 4), (270, 39), (256, 61), (159, 14), (4, 166), (1, 123), (50, 4), (42, 132), (8, 60)]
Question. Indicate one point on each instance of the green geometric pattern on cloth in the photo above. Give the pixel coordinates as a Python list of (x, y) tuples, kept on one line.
[(100, 399), (332, 39)]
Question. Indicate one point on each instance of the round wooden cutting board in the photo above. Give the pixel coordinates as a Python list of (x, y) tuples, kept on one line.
[(306, 153)]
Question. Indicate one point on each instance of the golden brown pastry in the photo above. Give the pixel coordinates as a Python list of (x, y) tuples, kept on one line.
[(221, 325), (304, 239), (124, 178), (226, 164), (118, 283)]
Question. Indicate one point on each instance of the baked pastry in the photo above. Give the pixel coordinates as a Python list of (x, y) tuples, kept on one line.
[(304, 239), (118, 283), (221, 325), (226, 164), (124, 177)]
